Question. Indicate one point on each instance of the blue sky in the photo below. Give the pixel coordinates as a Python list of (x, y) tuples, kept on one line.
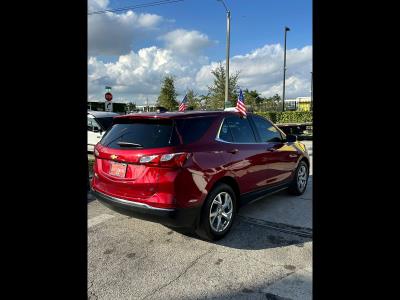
[(255, 24)]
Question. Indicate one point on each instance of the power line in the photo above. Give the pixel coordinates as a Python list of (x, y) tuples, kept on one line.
[(133, 7)]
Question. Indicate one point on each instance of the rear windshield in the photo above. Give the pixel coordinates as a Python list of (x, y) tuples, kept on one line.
[(150, 133)]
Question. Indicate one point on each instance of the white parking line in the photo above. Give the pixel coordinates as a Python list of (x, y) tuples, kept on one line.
[(97, 220)]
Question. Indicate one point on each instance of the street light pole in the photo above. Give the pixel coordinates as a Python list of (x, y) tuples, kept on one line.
[(284, 71), (228, 34)]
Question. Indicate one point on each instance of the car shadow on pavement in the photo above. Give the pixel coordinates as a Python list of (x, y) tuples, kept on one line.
[(248, 236), (90, 197), (255, 234)]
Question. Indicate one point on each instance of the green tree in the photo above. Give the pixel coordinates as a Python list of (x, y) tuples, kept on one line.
[(193, 100), (204, 100), (273, 103), (168, 94), (217, 90), (252, 98)]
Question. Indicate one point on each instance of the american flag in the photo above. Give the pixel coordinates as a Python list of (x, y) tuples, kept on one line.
[(240, 104), (183, 105)]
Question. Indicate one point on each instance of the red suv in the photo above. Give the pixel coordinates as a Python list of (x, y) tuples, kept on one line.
[(195, 169)]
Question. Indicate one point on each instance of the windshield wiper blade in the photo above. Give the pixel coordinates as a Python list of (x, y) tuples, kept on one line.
[(128, 144)]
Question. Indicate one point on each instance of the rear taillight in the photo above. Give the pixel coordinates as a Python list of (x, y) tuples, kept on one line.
[(165, 160)]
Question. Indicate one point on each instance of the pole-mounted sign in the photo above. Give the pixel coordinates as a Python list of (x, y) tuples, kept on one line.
[(108, 96), (109, 106)]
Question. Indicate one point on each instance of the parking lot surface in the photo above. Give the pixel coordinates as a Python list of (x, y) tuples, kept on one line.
[(267, 255)]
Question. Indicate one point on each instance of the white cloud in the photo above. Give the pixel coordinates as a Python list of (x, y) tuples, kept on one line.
[(137, 76), (186, 42), (115, 34), (96, 5), (262, 69)]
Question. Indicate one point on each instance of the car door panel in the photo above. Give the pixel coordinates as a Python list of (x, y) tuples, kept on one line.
[(279, 157), (246, 164), (282, 161), (243, 156)]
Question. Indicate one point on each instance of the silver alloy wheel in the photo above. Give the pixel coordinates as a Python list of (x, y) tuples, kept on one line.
[(302, 177), (221, 210)]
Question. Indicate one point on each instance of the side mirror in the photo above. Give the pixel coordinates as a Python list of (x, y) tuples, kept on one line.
[(96, 129), (291, 138)]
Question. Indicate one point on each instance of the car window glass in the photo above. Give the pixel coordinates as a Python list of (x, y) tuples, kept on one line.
[(240, 130), (267, 132), (192, 129), (225, 133), (91, 123), (147, 133)]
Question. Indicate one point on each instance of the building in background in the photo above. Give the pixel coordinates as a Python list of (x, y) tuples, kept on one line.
[(121, 107), (291, 104), (298, 104), (100, 106), (304, 103), (146, 108)]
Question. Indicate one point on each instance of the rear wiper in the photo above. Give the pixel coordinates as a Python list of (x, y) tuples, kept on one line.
[(127, 144)]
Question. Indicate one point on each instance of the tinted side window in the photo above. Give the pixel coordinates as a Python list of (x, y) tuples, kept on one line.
[(193, 129), (225, 133), (240, 129), (267, 131)]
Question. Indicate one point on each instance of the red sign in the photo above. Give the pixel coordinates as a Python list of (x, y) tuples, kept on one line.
[(108, 96)]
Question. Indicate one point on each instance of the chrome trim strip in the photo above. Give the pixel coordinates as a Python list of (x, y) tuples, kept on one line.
[(130, 203)]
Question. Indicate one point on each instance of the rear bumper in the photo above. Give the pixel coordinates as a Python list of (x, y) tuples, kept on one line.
[(175, 217)]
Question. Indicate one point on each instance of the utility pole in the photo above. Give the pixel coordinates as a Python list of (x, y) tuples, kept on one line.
[(228, 34), (311, 90), (284, 71)]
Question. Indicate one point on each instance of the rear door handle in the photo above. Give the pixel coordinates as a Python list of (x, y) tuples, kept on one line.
[(293, 155), (233, 151)]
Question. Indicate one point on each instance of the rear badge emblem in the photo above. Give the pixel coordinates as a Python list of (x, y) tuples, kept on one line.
[(114, 156)]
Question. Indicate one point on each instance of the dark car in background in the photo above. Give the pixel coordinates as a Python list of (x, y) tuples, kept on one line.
[(195, 169), (97, 124)]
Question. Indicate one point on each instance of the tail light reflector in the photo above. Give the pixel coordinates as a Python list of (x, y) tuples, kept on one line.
[(165, 160)]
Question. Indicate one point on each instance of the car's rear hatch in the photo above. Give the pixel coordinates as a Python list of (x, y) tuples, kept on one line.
[(141, 155), (133, 155)]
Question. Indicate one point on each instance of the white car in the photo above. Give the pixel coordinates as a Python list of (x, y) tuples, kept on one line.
[(97, 124)]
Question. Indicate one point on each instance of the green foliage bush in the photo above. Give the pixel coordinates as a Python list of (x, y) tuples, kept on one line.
[(288, 116)]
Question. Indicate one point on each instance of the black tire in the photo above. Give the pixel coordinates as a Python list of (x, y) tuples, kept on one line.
[(205, 230), (295, 187)]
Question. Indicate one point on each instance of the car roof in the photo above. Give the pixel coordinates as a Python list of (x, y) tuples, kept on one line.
[(176, 115), (101, 114)]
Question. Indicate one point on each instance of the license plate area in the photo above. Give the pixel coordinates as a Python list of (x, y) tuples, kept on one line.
[(117, 169)]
